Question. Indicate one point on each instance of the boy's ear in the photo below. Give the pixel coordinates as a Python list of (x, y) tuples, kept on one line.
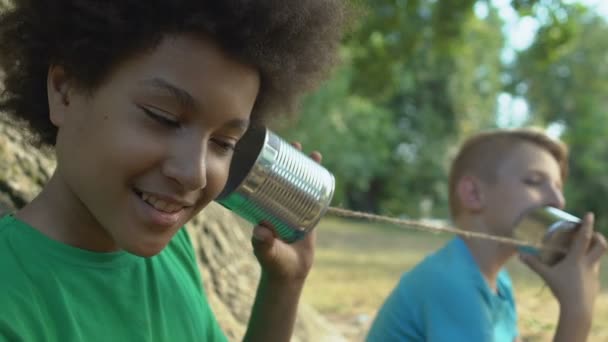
[(58, 90), (470, 194)]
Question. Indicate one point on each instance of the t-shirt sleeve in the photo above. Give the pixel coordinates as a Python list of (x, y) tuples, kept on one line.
[(390, 323), (214, 331), (433, 311), (457, 314)]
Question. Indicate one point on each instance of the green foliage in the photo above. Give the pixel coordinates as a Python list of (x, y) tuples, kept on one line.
[(417, 74), (354, 135), (420, 75)]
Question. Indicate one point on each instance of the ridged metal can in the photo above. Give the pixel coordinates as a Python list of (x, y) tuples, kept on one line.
[(271, 181), (550, 227)]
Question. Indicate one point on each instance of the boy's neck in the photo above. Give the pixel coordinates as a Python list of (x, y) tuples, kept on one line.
[(63, 218), (490, 256)]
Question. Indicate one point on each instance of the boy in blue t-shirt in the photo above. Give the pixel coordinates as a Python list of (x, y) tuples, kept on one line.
[(462, 292)]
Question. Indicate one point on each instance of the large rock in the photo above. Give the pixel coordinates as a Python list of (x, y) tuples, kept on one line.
[(221, 240), (23, 170)]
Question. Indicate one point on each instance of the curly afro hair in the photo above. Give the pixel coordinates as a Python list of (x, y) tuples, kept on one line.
[(292, 43)]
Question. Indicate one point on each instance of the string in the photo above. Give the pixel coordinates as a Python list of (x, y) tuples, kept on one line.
[(422, 226)]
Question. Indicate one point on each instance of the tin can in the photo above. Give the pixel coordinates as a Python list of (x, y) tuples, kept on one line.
[(271, 181), (550, 227)]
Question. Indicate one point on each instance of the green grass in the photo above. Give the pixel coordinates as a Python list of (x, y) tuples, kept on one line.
[(358, 263)]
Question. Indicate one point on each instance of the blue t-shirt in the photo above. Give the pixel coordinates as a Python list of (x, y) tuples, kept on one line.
[(446, 298)]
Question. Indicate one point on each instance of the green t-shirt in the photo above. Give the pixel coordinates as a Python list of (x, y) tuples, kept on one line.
[(50, 291)]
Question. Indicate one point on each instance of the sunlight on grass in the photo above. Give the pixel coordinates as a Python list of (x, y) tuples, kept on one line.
[(358, 263)]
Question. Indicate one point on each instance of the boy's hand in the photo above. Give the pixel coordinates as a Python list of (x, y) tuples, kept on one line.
[(280, 261), (574, 281)]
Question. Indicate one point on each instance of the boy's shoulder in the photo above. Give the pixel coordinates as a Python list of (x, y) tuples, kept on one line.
[(14, 286), (25, 253), (7, 252), (448, 267), (5, 220)]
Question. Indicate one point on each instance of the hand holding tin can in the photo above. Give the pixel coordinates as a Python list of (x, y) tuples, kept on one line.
[(550, 227), (574, 280)]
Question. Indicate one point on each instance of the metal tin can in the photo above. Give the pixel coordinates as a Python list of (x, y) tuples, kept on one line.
[(271, 181), (550, 227)]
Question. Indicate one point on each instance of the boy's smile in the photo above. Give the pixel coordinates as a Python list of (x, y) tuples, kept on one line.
[(161, 211)]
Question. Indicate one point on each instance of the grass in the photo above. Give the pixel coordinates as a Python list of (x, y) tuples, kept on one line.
[(358, 263)]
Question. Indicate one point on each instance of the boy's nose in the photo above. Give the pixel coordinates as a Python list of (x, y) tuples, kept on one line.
[(557, 199), (188, 168)]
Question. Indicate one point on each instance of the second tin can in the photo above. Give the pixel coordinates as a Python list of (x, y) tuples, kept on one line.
[(550, 227)]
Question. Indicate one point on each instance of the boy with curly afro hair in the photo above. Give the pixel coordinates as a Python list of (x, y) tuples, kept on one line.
[(143, 103)]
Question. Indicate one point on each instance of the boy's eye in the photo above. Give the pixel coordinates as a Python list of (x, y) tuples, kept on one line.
[(160, 118), (225, 146), (533, 181)]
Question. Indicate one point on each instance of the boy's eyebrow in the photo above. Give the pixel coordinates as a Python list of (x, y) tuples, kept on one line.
[(538, 172), (546, 176), (238, 124), (184, 98), (187, 101)]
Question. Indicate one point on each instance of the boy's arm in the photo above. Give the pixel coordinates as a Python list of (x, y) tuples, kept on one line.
[(274, 311), (572, 326), (574, 282), (284, 269)]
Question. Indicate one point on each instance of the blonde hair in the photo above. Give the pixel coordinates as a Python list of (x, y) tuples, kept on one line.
[(482, 154)]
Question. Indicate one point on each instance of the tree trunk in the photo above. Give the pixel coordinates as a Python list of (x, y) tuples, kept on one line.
[(221, 240)]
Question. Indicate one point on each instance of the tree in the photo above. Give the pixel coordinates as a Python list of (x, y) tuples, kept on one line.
[(417, 76)]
